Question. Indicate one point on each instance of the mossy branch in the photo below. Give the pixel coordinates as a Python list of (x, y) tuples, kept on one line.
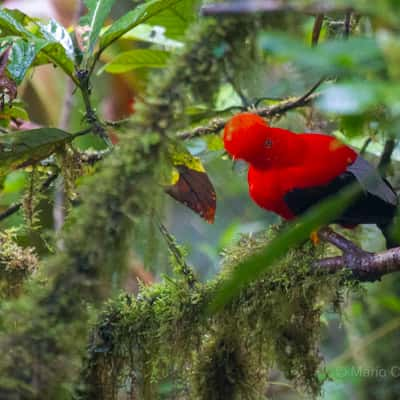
[(165, 333)]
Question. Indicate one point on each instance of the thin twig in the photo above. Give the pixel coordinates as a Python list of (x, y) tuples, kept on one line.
[(319, 20), (216, 124), (119, 123), (390, 145), (267, 6), (15, 207), (365, 146), (235, 87), (89, 158), (347, 24)]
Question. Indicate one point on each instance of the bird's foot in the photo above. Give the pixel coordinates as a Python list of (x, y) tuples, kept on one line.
[(315, 238)]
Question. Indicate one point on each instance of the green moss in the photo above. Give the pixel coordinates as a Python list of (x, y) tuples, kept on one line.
[(165, 333), (16, 264)]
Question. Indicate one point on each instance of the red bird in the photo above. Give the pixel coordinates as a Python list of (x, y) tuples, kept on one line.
[(289, 172)]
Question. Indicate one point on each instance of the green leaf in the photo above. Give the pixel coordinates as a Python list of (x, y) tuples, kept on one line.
[(138, 58), (133, 18), (57, 47), (98, 12), (14, 182), (356, 55), (152, 34), (53, 32), (14, 111), (299, 231), (54, 53), (12, 22), (22, 56), (24, 148), (176, 19), (52, 40)]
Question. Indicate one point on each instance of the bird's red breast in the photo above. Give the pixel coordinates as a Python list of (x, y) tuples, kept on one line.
[(281, 160)]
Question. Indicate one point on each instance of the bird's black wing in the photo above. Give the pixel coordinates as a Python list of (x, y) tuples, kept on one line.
[(376, 203)]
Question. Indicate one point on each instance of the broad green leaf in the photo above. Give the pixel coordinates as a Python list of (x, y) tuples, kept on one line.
[(14, 111), (133, 18), (95, 18), (53, 32), (22, 56), (138, 58), (176, 19), (57, 48), (55, 53), (299, 231), (24, 148), (51, 39), (14, 182), (12, 23), (152, 34), (356, 55)]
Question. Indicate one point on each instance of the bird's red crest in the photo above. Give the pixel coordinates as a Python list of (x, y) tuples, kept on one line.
[(244, 135)]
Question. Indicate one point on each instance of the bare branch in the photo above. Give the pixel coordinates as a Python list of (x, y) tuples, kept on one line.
[(216, 124), (347, 24), (319, 20), (245, 7), (386, 156), (365, 145), (268, 6), (365, 266)]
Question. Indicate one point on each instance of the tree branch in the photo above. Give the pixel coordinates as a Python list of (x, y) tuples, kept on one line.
[(386, 156), (267, 6), (319, 20), (216, 124), (89, 157), (15, 207), (347, 24), (365, 266)]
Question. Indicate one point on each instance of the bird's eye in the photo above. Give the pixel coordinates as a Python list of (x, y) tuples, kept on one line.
[(268, 143)]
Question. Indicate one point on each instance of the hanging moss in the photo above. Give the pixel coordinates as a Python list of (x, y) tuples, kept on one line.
[(16, 264), (166, 334), (222, 369)]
